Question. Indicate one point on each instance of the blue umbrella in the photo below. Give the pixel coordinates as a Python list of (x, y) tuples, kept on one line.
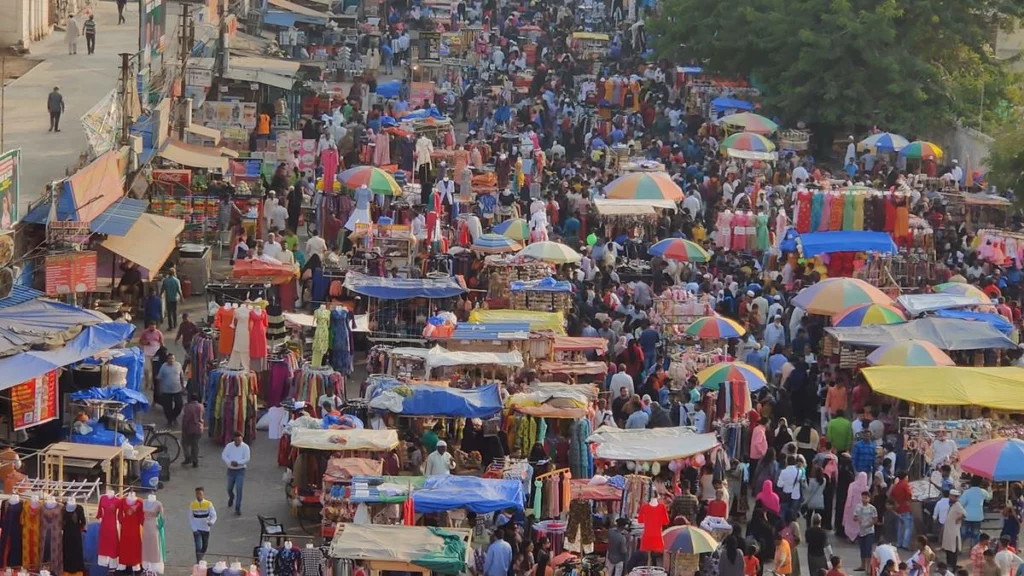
[(885, 142)]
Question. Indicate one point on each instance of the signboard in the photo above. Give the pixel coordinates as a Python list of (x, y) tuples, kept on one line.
[(70, 272), (229, 115), (152, 25), (34, 402), (10, 188), (67, 232), (198, 76), (384, 230), (420, 91), (179, 177)]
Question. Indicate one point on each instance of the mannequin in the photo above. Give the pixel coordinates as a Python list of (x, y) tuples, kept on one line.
[(200, 569), (10, 536), (240, 349), (235, 569), (654, 517), (289, 557), (321, 337), (361, 215), (311, 559), (424, 148), (51, 523), (223, 322), (74, 528), (267, 557), (152, 550), (446, 189), (329, 161), (220, 568), (130, 515), (30, 533)]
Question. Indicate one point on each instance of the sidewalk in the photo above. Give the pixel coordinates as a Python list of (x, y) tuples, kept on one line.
[(83, 79)]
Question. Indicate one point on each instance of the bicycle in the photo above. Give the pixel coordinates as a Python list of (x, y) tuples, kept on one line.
[(165, 442)]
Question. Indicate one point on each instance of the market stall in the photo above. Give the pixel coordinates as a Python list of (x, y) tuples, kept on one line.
[(398, 308), (461, 368), (413, 549), (558, 416)]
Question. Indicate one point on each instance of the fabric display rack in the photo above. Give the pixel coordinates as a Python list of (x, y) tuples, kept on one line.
[(232, 404), (290, 559), (851, 209), (998, 246), (203, 355), (311, 383), (636, 491), (742, 231), (552, 493), (280, 376), (546, 295), (332, 338), (140, 544), (735, 435)]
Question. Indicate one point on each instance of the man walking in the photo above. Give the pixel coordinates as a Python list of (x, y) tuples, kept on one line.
[(90, 34), (120, 11), (236, 457), (192, 426), (202, 515), (172, 293), (170, 382), (55, 105)]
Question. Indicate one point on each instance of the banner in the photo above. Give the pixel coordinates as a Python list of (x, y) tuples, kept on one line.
[(34, 402), (420, 91), (71, 272), (223, 115), (10, 188), (152, 25)]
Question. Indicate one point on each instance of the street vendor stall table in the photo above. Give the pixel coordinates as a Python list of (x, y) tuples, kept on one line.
[(110, 463), (415, 549)]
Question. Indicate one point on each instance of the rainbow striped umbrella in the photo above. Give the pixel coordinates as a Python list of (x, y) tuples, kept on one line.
[(910, 353), (644, 186), (679, 249), (495, 244), (377, 180), (715, 327), (748, 142), (834, 295), (516, 229), (712, 377), (884, 142), (868, 314), (921, 150), (961, 289), (553, 252), (688, 540), (999, 459), (749, 122)]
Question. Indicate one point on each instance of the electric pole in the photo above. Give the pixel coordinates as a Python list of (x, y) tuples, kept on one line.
[(186, 37), (125, 93)]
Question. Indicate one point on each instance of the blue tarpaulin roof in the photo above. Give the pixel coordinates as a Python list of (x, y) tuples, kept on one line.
[(997, 321), (479, 495), (19, 295), (288, 19), (548, 284), (389, 89), (94, 339), (725, 103), (117, 393), (817, 243), (403, 289), (427, 400), (500, 331), (424, 113), (42, 322), (116, 220)]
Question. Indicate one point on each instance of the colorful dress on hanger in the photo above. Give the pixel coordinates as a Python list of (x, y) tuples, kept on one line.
[(382, 149), (836, 222), (826, 212), (289, 562), (106, 513), (341, 345), (890, 213), (321, 336), (51, 523), (10, 535), (30, 535), (654, 518), (803, 211), (258, 324), (858, 212), (329, 162), (723, 230), (74, 528), (781, 224), (817, 204), (901, 224), (849, 206), (130, 516), (223, 323), (152, 548), (240, 351), (739, 234), (762, 232)]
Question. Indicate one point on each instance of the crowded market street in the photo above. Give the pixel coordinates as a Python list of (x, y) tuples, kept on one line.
[(321, 288)]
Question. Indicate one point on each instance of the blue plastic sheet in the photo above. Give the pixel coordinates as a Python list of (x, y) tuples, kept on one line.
[(389, 89), (102, 436), (426, 400), (479, 495), (997, 321), (548, 284), (92, 340), (423, 113), (135, 400), (817, 243), (41, 322), (130, 358), (403, 289), (725, 103)]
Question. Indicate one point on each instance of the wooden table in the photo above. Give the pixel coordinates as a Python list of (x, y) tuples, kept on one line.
[(88, 457)]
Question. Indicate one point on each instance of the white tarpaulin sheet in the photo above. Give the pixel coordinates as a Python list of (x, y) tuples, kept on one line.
[(655, 445), (438, 357), (946, 333), (388, 543), (599, 203), (330, 440), (918, 303)]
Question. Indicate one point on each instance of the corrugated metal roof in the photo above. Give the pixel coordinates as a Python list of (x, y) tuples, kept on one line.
[(492, 331), (20, 295), (120, 217)]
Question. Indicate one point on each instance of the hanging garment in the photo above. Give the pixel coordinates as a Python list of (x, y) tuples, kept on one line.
[(849, 207), (130, 516), (817, 204), (109, 547), (654, 518), (258, 324), (341, 344), (836, 223), (10, 535), (382, 149), (858, 212), (329, 162), (762, 232), (322, 335), (739, 234), (202, 354), (869, 213), (232, 398), (890, 213), (223, 323), (276, 332), (803, 211), (240, 351), (30, 535), (51, 522), (71, 544), (901, 223), (361, 215), (723, 232), (826, 212), (152, 549), (267, 560), (289, 562), (580, 529), (311, 559)]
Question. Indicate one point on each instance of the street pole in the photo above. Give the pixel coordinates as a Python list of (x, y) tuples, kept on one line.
[(125, 114), (185, 47), (3, 100)]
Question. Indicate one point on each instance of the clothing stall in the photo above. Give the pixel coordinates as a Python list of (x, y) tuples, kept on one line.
[(232, 404)]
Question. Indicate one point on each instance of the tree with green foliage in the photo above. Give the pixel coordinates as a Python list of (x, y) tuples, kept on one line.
[(846, 65)]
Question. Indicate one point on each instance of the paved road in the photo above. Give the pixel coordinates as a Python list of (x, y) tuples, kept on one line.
[(84, 80)]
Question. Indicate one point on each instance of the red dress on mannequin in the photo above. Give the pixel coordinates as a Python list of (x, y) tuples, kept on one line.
[(131, 517), (106, 512), (654, 518)]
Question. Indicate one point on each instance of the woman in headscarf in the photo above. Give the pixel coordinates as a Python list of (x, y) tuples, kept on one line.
[(731, 561), (767, 469), (853, 494), (761, 529), (768, 498), (782, 436)]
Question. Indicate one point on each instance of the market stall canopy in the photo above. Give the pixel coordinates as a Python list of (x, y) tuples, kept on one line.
[(982, 199), (341, 440), (196, 156), (426, 400), (628, 206), (571, 368), (149, 242), (344, 469), (403, 288), (429, 547), (491, 331), (438, 357), (654, 445), (479, 495), (554, 400), (946, 333), (548, 284), (297, 9), (997, 321), (996, 388), (726, 103), (116, 220), (631, 209), (579, 344), (204, 132), (816, 243), (33, 363), (538, 321), (916, 304), (42, 324), (260, 270), (589, 391)]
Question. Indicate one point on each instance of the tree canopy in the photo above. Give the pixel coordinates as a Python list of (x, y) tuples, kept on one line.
[(905, 65)]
